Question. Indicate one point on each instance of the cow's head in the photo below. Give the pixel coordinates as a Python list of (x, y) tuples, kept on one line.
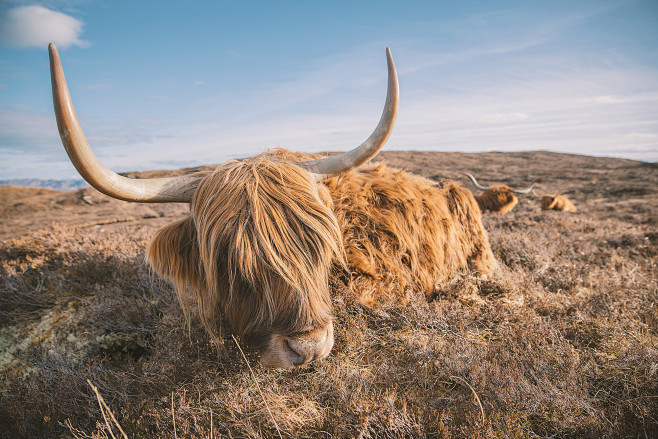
[(260, 239), (498, 198)]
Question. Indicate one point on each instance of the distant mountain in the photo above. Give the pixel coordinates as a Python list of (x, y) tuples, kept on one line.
[(58, 185)]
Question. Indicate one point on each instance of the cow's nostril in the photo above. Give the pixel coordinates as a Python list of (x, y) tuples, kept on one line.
[(296, 350), (295, 357)]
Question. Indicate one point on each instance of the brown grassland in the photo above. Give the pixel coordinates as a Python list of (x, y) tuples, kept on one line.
[(561, 342)]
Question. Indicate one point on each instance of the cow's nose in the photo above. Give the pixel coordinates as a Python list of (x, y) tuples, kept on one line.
[(309, 347), (286, 352)]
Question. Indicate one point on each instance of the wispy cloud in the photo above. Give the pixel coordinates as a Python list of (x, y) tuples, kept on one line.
[(335, 104), (23, 127), (36, 26), (495, 34), (503, 81)]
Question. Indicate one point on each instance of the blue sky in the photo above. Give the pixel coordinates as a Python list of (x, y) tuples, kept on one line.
[(169, 84)]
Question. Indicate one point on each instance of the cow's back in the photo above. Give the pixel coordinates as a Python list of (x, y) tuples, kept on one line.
[(402, 232)]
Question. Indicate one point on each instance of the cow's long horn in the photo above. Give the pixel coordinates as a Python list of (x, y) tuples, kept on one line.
[(330, 166), (477, 185), (526, 190), (153, 190)]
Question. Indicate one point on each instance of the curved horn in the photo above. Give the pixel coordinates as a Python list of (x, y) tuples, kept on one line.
[(526, 190), (153, 190), (477, 185), (330, 166)]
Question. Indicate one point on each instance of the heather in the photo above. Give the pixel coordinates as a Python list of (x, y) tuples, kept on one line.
[(560, 342)]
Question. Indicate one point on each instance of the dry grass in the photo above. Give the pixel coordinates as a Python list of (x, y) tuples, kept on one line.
[(561, 342)]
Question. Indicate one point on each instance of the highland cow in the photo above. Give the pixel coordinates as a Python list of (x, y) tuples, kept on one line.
[(264, 233), (557, 202), (498, 198)]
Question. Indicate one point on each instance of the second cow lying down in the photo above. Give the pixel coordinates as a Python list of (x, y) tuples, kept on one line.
[(498, 198)]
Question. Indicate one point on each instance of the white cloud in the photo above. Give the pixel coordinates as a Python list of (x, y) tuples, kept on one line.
[(629, 99), (36, 26)]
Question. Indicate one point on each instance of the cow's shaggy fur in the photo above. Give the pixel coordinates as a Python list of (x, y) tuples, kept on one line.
[(499, 198), (557, 202), (401, 232), (257, 248), (262, 236)]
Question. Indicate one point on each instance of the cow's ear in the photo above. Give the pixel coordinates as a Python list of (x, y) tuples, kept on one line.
[(174, 254)]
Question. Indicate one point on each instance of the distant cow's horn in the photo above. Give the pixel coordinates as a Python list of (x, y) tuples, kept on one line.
[(331, 166), (477, 185), (153, 190), (526, 190)]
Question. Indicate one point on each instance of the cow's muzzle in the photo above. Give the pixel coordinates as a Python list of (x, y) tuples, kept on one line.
[(287, 352)]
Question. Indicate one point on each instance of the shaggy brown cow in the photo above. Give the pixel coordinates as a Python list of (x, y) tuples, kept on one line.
[(557, 202), (498, 198), (264, 233)]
